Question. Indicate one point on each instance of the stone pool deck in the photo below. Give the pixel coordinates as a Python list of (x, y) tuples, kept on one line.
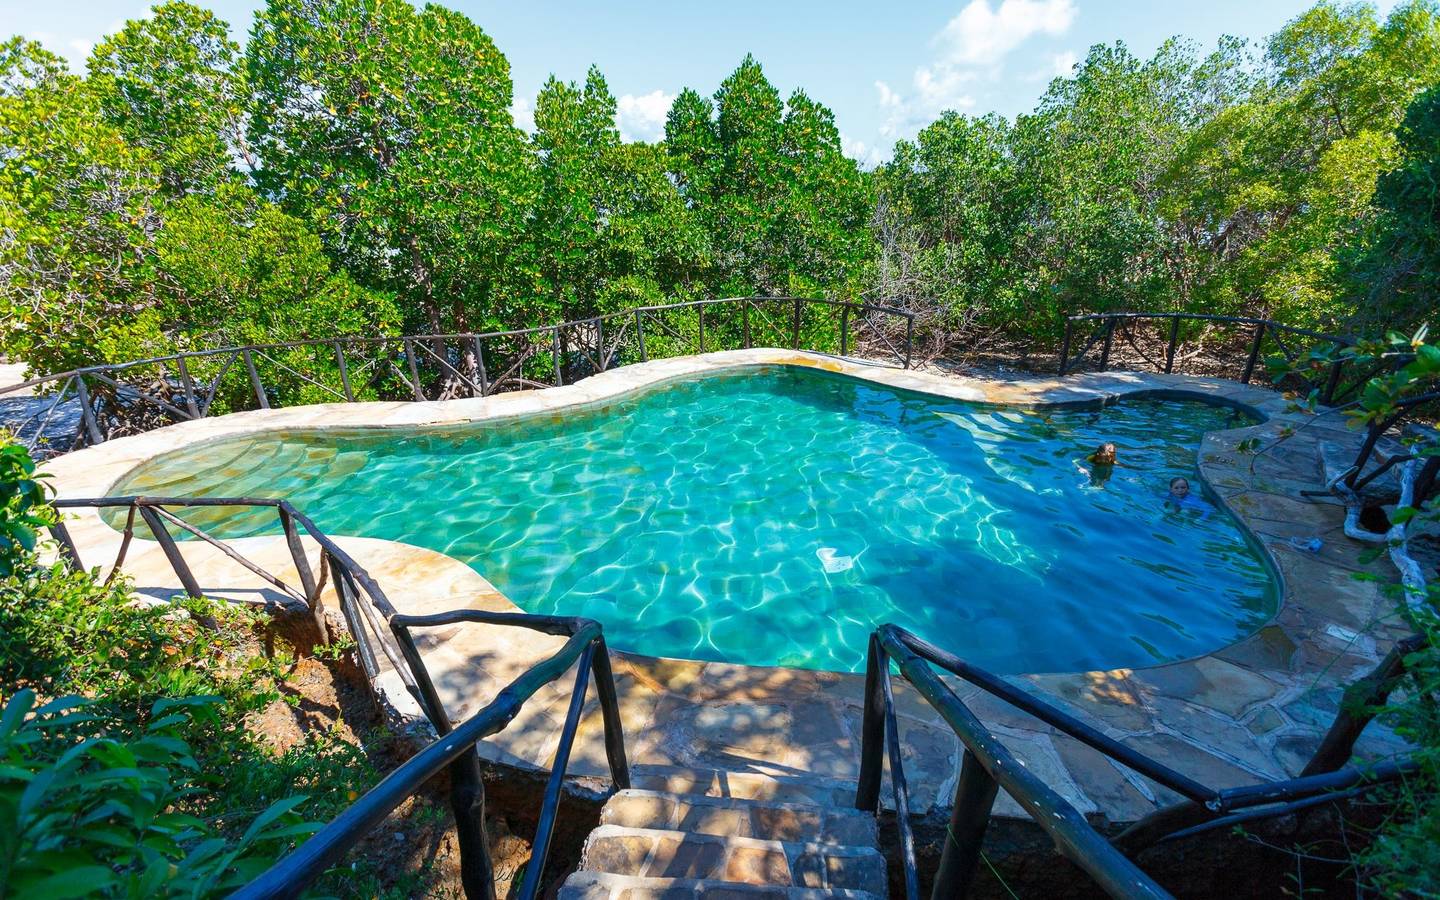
[(1251, 711)]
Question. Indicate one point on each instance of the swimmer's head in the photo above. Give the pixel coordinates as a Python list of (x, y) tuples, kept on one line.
[(1105, 453), (1179, 487)]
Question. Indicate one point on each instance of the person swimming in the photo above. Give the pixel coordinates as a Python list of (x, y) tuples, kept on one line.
[(1181, 498), (1104, 455), (1102, 464)]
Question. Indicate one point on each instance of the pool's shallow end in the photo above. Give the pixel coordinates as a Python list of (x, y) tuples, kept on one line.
[(1256, 708)]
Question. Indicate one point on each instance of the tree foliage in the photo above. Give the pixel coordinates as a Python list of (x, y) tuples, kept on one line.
[(388, 129), (357, 168), (784, 208), (1237, 182), (126, 229), (1397, 271)]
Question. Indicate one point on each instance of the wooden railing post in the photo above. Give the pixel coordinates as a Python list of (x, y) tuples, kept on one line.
[(467, 802), (1109, 342), (969, 818), (1254, 356), (87, 413), (479, 347), (303, 571), (344, 372), (1333, 382), (872, 730), (467, 787), (555, 350), (255, 381), (188, 384), (600, 340), (844, 330), (1170, 347), (414, 369), (171, 551), (909, 339), (640, 335), (745, 318), (610, 717), (68, 550)]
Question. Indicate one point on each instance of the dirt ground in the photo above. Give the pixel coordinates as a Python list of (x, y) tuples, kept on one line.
[(414, 851)]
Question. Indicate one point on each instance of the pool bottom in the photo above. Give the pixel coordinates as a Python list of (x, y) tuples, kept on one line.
[(775, 516)]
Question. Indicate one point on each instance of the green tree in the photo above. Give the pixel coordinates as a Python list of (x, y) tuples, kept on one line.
[(1278, 186), (121, 237), (388, 129), (246, 272), (784, 208), (79, 207), (1397, 271), (949, 210), (172, 84), (822, 225), (612, 229), (575, 135), (654, 249), (1091, 158)]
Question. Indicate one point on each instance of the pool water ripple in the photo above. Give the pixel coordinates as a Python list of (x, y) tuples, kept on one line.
[(774, 516)]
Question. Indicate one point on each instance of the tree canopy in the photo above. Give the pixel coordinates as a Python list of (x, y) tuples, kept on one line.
[(356, 168)]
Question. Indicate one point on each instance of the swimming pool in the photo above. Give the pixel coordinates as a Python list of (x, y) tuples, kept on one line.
[(775, 515)]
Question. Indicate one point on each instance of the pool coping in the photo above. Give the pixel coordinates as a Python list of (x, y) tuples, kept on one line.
[(1247, 710)]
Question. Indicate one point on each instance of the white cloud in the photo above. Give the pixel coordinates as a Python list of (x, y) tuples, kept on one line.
[(75, 51), (523, 112), (868, 157), (972, 45), (1061, 65), (888, 98), (979, 35), (642, 118), (936, 89)]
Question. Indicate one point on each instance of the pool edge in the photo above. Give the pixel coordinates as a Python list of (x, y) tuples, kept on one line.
[(1226, 682)]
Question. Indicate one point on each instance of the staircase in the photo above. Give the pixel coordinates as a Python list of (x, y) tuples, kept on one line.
[(695, 833)]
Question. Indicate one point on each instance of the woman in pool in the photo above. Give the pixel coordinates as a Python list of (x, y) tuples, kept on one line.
[(1102, 464)]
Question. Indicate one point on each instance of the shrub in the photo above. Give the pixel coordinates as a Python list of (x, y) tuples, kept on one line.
[(126, 769), (92, 806)]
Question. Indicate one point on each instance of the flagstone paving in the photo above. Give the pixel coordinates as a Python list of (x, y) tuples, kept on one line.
[(1253, 710)]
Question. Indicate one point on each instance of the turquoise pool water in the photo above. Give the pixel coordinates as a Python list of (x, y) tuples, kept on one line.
[(774, 516)]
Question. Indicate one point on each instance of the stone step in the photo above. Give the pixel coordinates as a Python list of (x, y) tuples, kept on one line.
[(663, 853), (605, 886), (737, 817), (812, 789)]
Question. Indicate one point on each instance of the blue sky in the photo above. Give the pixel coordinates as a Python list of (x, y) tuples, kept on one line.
[(884, 71)]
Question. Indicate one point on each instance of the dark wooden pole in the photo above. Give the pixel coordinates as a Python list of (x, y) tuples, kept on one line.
[(1109, 342), (414, 370), (1254, 356), (974, 796), (87, 413), (188, 384), (344, 372), (171, 551), (255, 381), (872, 730)]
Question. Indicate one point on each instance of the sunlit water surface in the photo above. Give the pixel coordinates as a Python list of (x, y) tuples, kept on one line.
[(775, 516)]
